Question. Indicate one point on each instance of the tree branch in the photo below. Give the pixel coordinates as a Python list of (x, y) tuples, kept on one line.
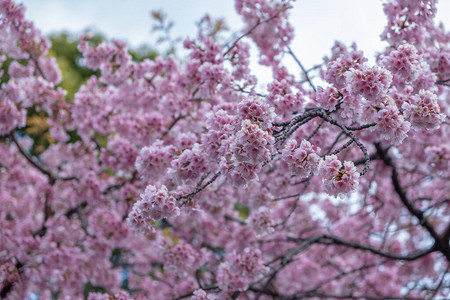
[(440, 244), (301, 67), (37, 166)]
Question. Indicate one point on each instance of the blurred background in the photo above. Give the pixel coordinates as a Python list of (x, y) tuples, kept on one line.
[(318, 23)]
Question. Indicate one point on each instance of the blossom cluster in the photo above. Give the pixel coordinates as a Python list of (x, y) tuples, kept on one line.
[(338, 178), (152, 162), (423, 111), (274, 32), (303, 160), (155, 204), (240, 269)]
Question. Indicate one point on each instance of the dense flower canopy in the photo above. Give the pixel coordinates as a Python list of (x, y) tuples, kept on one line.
[(177, 179)]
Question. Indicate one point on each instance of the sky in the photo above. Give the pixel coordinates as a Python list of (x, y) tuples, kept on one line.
[(317, 23)]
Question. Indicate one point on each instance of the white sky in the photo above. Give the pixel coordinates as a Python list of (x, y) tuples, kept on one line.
[(317, 23)]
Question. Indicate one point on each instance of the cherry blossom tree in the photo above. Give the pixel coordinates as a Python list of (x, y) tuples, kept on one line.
[(178, 179)]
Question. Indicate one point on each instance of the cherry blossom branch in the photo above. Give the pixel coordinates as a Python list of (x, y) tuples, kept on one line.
[(150, 81), (446, 235), (305, 72), (349, 142), (175, 121), (336, 140), (444, 82), (111, 188), (38, 66), (52, 179), (254, 27), (295, 203), (197, 190), (347, 131), (365, 126), (289, 257), (439, 243), (289, 196), (315, 130), (230, 218), (362, 160), (333, 240), (289, 127), (314, 68), (7, 286), (75, 209), (294, 129), (37, 166), (342, 274), (326, 239)]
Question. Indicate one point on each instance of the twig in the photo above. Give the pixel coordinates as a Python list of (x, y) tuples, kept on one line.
[(439, 243), (44, 171), (294, 207), (301, 67), (197, 190), (444, 82), (253, 28), (316, 130), (349, 142)]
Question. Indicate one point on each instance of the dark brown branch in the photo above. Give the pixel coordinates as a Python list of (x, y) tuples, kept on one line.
[(294, 207), (288, 133), (315, 130), (340, 275), (230, 218), (7, 286), (439, 243), (350, 134), (111, 188), (197, 190), (287, 259), (336, 140), (444, 82), (52, 179), (325, 239), (175, 121), (254, 27), (75, 209), (333, 240), (346, 145), (150, 81), (37, 166), (361, 126), (305, 73), (360, 161), (291, 126), (446, 235)]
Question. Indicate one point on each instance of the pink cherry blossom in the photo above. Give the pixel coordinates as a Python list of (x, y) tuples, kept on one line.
[(423, 111), (303, 160), (338, 179)]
